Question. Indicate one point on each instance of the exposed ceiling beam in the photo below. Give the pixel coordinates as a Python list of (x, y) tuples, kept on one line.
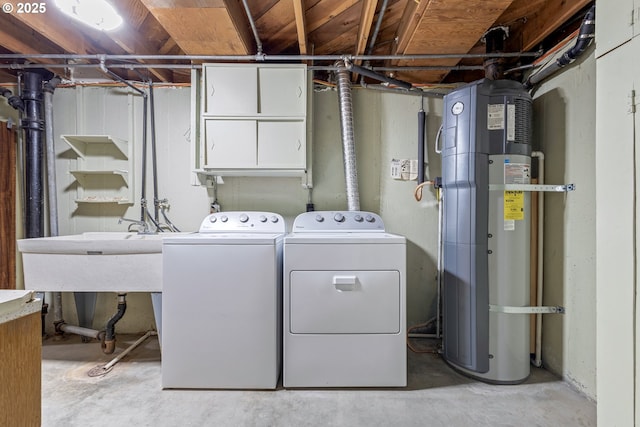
[(324, 11), (299, 10), (446, 26), (364, 29), (409, 24), (548, 19), (17, 38), (205, 27)]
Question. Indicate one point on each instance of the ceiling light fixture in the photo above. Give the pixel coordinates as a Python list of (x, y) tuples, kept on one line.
[(99, 14)]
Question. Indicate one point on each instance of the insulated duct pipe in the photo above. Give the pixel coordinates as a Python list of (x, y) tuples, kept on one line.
[(348, 141), (421, 128), (380, 77), (585, 37)]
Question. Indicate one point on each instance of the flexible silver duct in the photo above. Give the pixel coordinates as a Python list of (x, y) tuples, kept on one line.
[(348, 142)]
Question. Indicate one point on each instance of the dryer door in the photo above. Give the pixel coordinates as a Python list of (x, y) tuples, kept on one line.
[(344, 302)]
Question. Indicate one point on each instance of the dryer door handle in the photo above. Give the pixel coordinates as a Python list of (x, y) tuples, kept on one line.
[(345, 283)]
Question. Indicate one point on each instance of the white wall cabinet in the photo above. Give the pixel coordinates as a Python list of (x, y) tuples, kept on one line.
[(253, 120), (103, 172)]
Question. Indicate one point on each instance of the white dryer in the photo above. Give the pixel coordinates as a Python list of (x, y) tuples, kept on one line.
[(344, 302), (222, 303)]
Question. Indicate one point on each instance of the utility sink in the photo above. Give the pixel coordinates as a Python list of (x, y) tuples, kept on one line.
[(93, 262)]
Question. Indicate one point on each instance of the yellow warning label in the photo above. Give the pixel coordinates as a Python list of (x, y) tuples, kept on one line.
[(514, 205)]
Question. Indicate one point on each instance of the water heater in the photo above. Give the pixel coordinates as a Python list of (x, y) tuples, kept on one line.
[(486, 229)]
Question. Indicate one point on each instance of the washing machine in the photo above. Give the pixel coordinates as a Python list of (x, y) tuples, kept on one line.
[(344, 302), (222, 303)]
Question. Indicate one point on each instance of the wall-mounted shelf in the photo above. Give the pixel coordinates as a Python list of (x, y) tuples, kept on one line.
[(253, 121), (103, 172)]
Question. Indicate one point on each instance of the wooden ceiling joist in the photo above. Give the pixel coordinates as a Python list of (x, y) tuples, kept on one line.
[(299, 10), (548, 19)]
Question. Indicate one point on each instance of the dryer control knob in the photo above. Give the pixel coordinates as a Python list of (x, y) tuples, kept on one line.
[(319, 218), (262, 218), (370, 218), (338, 217), (244, 218), (274, 219), (213, 218), (358, 218), (224, 218)]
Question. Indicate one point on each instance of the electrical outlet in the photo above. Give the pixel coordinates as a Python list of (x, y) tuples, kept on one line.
[(404, 169)]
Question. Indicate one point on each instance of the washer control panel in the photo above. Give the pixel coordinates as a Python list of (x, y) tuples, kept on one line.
[(331, 221), (254, 222)]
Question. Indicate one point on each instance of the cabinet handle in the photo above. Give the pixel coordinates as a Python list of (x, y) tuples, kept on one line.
[(299, 91), (213, 90), (299, 145)]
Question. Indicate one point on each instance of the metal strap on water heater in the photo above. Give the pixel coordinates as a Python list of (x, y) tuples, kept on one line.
[(533, 187), (526, 310)]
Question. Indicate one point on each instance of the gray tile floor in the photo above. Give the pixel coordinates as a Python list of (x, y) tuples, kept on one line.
[(131, 395)]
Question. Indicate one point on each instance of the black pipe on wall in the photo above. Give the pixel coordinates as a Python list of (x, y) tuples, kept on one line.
[(421, 125), (33, 125)]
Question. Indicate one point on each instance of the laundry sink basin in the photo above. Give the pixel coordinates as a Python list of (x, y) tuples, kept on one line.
[(93, 262)]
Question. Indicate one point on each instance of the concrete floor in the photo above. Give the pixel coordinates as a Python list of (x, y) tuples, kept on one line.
[(131, 395)]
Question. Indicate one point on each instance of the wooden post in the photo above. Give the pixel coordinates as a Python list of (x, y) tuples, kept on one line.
[(7, 207)]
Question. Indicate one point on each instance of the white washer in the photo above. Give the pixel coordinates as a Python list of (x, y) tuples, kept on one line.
[(344, 302), (221, 303)]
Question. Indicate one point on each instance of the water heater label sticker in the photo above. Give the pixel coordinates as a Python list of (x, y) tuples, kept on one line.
[(495, 116), (517, 173), (509, 225), (511, 122), (513, 205)]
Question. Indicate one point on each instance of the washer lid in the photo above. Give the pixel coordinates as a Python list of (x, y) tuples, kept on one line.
[(223, 239)]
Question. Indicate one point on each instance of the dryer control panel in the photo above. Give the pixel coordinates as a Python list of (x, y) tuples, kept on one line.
[(254, 222), (338, 221)]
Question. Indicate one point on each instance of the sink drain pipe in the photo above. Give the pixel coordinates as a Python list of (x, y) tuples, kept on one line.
[(109, 343), (348, 141)]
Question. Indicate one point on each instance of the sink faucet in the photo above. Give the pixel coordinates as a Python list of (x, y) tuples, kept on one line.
[(143, 227)]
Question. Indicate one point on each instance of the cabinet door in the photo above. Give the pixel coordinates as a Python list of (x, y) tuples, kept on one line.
[(281, 144), (230, 91), (230, 143), (282, 91)]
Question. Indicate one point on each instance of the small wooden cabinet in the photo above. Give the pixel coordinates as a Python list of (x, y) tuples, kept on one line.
[(253, 119), (104, 168)]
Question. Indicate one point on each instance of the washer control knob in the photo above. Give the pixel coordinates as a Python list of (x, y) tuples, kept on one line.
[(338, 217), (244, 218), (274, 219), (262, 218), (319, 218), (370, 218), (358, 218), (212, 218), (224, 218)]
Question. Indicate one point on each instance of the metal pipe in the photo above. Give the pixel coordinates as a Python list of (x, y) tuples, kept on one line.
[(540, 267), (585, 37), (348, 141), (376, 30), (33, 124), (154, 158), (109, 343), (102, 58), (52, 191), (79, 330), (380, 77), (253, 27), (414, 91)]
